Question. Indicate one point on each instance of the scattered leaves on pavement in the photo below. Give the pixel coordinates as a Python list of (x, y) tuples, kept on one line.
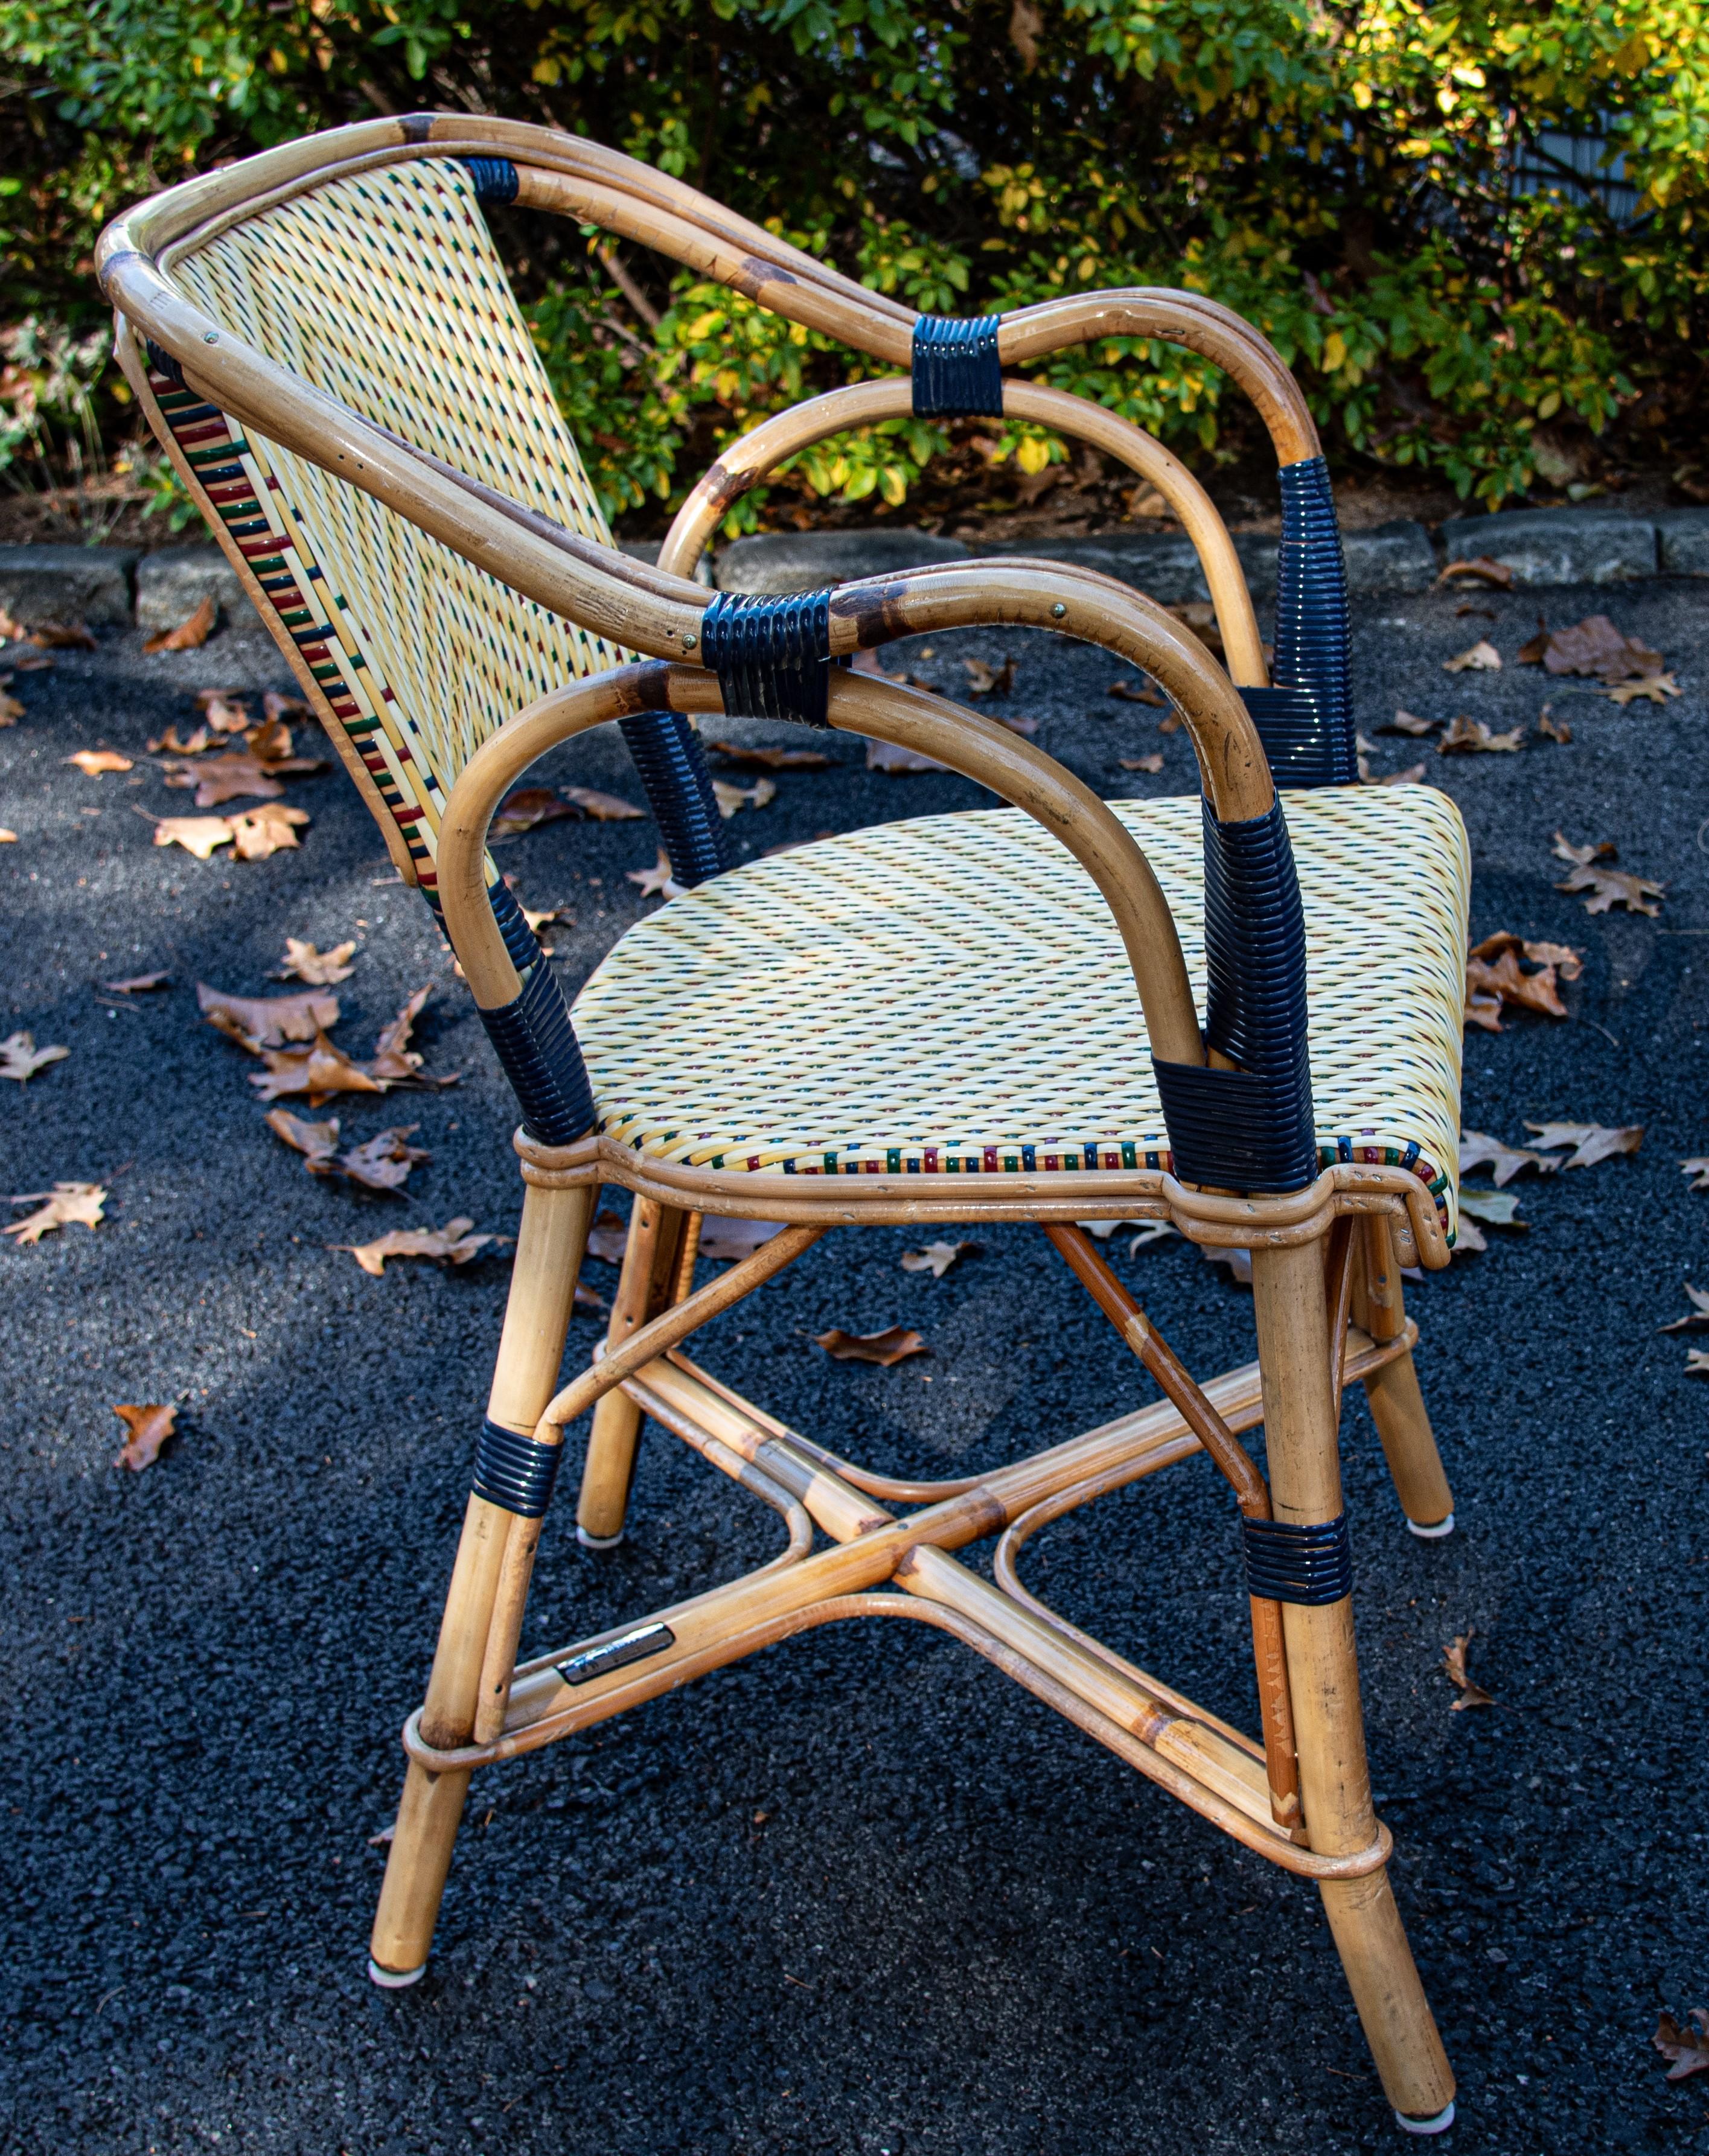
[(239, 772), (21, 1059), (1590, 1143), (190, 635), (322, 1068), (732, 799), (604, 808), (138, 984), (62, 636), (1482, 657), (1144, 694), (68, 1204), (894, 1345), (937, 1258), (528, 807), (1653, 688), (1495, 1209), (985, 679), (382, 1164), (1494, 978), (1551, 728), (657, 881), (1687, 2049), (586, 1299), (1153, 762), (1453, 1666), (770, 759), (1409, 723), (1696, 1319), (729, 1239), (198, 743), (322, 969), (149, 1427), (1477, 1149), (451, 1244), (1593, 646), (225, 710), (892, 756), (1607, 887), (93, 762), (196, 834), (255, 1022), (1467, 736), (1698, 1169)]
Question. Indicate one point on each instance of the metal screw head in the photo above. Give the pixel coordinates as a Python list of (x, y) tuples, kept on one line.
[(210, 337), (1058, 611), (689, 639)]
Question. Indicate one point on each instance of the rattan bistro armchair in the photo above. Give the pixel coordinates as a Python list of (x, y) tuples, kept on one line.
[(980, 1017)]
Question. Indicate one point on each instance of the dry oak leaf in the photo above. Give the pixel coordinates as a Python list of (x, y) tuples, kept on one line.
[(608, 1238), (1144, 694), (1153, 762), (1590, 1141), (138, 983), (892, 756), (732, 798), (1454, 1665), (11, 711), (1654, 688), (93, 762), (21, 1059), (1200, 616), (198, 743), (1687, 2049), (259, 1022), (985, 679), (1483, 568), (190, 635), (322, 969), (276, 706), (1477, 1149), (1697, 1363), (1608, 887), (197, 834), (1593, 646), (1469, 1236), (895, 1344), (1697, 1318), (68, 1204), (770, 759), (1237, 1261), (1699, 1170), (1482, 657), (1412, 776), (62, 636), (224, 710), (237, 772), (731, 1239), (937, 1258), (1473, 737), (1551, 728), (527, 808), (382, 1163), (657, 881), (586, 1299), (451, 1244), (149, 1427), (270, 742), (1495, 1209), (259, 833), (1534, 992), (1567, 962), (1409, 723), (317, 1142), (604, 808)]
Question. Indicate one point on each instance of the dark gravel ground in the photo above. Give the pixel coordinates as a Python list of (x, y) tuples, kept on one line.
[(861, 1895)]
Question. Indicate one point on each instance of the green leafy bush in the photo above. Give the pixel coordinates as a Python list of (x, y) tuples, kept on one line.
[(1479, 230)]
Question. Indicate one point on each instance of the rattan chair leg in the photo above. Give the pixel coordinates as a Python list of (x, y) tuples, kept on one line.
[(1397, 1403), (651, 1264), (549, 1247), (1305, 1479)]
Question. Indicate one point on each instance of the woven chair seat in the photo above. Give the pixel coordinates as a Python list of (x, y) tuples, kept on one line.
[(950, 995)]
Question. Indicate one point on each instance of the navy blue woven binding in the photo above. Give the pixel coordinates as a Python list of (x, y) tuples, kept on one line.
[(772, 657), (534, 1038), (495, 179), (667, 754), (1306, 722), (1250, 1128), (957, 373), (515, 1471), (162, 361), (1310, 1564)]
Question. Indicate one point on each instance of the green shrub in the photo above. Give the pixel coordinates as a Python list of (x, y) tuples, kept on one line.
[(1380, 187)]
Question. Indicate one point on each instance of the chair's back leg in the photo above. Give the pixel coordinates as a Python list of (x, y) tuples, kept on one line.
[(1304, 1481), (549, 1248), (652, 1259), (1397, 1403)]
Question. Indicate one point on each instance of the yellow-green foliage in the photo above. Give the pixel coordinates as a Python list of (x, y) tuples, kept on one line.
[(1343, 177)]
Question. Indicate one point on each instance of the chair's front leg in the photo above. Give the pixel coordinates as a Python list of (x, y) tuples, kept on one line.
[(1397, 1403), (549, 1248), (1304, 1481), (647, 1285)]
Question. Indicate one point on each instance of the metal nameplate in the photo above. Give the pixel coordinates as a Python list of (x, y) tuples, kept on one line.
[(616, 1653)]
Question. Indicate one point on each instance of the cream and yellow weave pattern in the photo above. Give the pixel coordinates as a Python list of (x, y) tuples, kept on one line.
[(385, 291), (950, 995)]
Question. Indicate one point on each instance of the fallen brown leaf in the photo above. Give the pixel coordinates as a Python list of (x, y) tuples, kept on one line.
[(276, 706), (304, 963), (1484, 613), (1171, 723), (62, 636), (984, 679), (138, 983), (224, 710), (1591, 1142), (894, 1345), (259, 1022), (1200, 616), (1608, 887), (1453, 1665), (1592, 646), (7, 838), (93, 762), (317, 1142), (1505, 981), (604, 808), (11, 711), (1409, 723), (190, 635), (1551, 728), (891, 757), (451, 1244), (1697, 1362), (1687, 2049), (1153, 762), (608, 1238), (1238, 1261), (770, 759), (1482, 657), (149, 1427), (1568, 962), (68, 1204), (1654, 688), (586, 1299), (1697, 1318), (1699, 1170), (657, 881), (1470, 1237), (198, 743), (270, 742), (1144, 694), (1495, 1209), (1483, 569), (259, 832), (30, 662), (323, 1069), (1472, 736), (729, 1239), (527, 808), (21, 1059), (937, 1258), (733, 798), (391, 1060), (196, 834), (237, 772), (382, 1163)]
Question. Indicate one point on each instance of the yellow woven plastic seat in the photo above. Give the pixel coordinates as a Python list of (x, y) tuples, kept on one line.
[(856, 1006)]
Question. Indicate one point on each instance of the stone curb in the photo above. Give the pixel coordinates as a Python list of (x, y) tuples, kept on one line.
[(110, 587)]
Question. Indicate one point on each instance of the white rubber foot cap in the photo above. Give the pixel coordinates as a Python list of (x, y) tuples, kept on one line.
[(395, 1980), (611, 1542), (1435, 1533), (1439, 2124)]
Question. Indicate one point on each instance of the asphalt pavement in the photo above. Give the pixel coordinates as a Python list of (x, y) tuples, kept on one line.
[(860, 1894)]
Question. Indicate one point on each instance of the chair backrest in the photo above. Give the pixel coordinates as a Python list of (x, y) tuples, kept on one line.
[(385, 290)]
